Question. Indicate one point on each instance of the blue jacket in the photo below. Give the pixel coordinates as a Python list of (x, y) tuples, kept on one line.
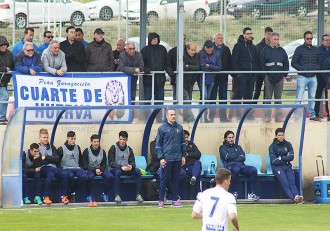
[(43, 47), (18, 47), (24, 63), (281, 153), (326, 76), (231, 155), (214, 60), (323, 53), (170, 144)]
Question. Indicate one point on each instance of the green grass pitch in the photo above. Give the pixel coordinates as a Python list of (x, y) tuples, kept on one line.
[(252, 217)]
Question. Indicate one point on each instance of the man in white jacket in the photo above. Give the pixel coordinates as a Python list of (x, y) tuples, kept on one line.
[(53, 59)]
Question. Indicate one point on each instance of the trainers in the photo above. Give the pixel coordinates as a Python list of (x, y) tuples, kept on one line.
[(298, 199), (160, 204), (92, 204), (89, 199), (105, 197), (176, 204), (253, 197), (37, 200), (193, 180), (315, 119), (65, 200), (235, 195), (117, 199), (47, 201), (139, 198), (26, 200)]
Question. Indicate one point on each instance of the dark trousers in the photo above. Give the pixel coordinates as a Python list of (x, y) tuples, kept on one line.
[(245, 170), (49, 173), (81, 178), (170, 174), (158, 93), (37, 183), (135, 172), (245, 86), (321, 85), (258, 86), (219, 89), (285, 176), (195, 169), (133, 88), (108, 178)]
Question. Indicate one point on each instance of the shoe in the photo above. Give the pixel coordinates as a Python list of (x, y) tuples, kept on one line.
[(268, 119), (253, 197), (235, 195), (65, 200), (160, 204), (3, 122), (38, 200), (47, 201), (72, 198), (89, 199), (193, 180), (315, 119), (105, 197), (299, 199), (117, 199), (26, 200), (92, 204), (279, 120), (225, 120), (176, 204), (139, 198)]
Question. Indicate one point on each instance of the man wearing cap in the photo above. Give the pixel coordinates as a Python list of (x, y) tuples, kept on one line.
[(99, 53), (48, 37), (6, 66), (75, 55)]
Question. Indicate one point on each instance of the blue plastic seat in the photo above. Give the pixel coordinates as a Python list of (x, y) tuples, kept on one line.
[(268, 165), (140, 162), (255, 161)]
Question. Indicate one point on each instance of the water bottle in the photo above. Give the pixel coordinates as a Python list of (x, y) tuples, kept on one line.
[(212, 167), (208, 169)]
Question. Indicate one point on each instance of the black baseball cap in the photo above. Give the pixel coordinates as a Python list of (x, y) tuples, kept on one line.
[(208, 44), (98, 31)]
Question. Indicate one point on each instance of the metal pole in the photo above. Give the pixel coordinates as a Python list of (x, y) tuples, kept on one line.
[(320, 21), (180, 47), (119, 19)]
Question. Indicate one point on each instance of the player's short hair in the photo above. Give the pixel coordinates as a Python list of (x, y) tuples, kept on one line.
[(70, 134), (278, 130), (43, 131), (222, 175), (69, 28), (123, 134), (186, 132), (94, 137), (34, 146)]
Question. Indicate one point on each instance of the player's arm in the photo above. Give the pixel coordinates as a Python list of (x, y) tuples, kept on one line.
[(196, 215), (234, 220)]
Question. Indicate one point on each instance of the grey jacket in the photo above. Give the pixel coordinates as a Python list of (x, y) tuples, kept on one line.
[(51, 63), (128, 63)]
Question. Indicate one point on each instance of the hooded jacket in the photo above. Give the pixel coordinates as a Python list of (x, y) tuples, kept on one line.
[(281, 153), (231, 155), (6, 60), (154, 58), (244, 56)]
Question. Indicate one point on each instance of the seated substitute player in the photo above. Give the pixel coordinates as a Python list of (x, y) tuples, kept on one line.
[(71, 161), (94, 162), (233, 157), (31, 162), (216, 204), (193, 166), (49, 168), (122, 162), (281, 154)]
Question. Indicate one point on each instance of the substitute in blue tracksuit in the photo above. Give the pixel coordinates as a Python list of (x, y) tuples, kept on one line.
[(233, 157), (281, 154), (171, 151)]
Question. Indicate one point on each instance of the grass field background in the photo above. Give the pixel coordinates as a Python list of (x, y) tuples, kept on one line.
[(252, 217)]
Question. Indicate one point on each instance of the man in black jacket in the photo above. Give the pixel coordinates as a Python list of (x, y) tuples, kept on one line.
[(7, 64), (75, 55), (245, 58), (306, 57)]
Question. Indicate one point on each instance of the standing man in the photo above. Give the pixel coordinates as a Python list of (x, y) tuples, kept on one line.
[(233, 157), (80, 36), (74, 51), (215, 205), (49, 170), (70, 158), (260, 77), (281, 154), (324, 52), (116, 53), (7, 64), (94, 162), (28, 61), (53, 59), (99, 53), (122, 162), (274, 58), (28, 37), (131, 62), (171, 151), (306, 58), (220, 86), (48, 37), (245, 58)]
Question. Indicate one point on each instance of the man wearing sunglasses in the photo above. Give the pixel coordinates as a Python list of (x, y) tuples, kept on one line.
[(28, 61), (306, 58), (48, 37)]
